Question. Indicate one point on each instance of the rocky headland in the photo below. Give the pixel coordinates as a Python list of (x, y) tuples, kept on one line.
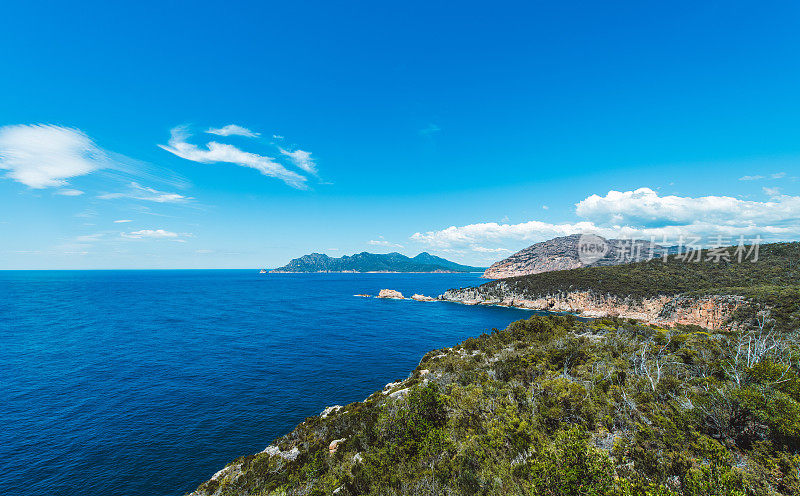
[(562, 253)]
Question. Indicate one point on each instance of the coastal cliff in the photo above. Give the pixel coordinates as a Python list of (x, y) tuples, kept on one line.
[(710, 312)]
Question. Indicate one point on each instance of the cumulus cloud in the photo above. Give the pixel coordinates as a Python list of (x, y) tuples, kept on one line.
[(233, 130), (301, 159), (219, 152), (43, 156), (641, 213), (646, 208), (155, 234), (474, 234), (138, 192)]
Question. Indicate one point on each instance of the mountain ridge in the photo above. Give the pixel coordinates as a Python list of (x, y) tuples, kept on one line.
[(373, 262)]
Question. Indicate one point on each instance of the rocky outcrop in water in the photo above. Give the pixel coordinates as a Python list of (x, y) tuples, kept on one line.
[(390, 293)]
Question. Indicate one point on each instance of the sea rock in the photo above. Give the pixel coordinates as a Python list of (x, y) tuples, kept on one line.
[(390, 293), (419, 297)]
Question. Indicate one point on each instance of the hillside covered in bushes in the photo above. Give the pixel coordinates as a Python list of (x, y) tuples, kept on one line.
[(773, 280), (558, 406)]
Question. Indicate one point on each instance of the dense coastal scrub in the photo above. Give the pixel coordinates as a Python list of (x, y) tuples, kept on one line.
[(557, 406)]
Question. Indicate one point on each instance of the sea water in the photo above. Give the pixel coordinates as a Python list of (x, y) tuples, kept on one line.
[(147, 382)]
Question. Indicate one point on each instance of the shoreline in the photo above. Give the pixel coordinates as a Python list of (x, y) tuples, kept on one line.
[(369, 272)]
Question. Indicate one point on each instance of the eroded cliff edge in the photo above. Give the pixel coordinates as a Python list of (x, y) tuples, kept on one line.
[(710, 312)]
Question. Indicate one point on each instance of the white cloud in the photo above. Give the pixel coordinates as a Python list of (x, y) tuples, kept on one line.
[(474, 234), (771, 191), (483, 249), (775, 175), (545, 207), (301, 159), (43, 156), (383, 243), (641, 213), (121, 221), (218, 152), (139, 192), (69, 192), (233, 130), (88, 238), (644, 207), (155, 234)]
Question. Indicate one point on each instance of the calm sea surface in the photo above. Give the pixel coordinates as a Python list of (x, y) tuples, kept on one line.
[(147, 382)]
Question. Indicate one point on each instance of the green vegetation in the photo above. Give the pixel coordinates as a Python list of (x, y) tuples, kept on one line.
[(555, 406), (773, 280)]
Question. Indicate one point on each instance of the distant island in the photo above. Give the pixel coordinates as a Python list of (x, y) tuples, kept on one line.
[(373, 262)]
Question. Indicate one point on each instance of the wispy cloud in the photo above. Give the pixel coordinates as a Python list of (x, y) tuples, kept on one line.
[(219, 152), (771, 191), (233, 130), (757, 177), (483, 249), (138, 192), (43, 156), (301, 159), (69, 192), (122, 221), (155, 234), (383, 243)]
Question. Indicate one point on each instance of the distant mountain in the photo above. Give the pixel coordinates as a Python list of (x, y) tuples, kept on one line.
[(372, 262), (563, 253)]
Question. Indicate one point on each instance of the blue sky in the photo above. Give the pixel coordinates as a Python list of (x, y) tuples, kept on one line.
[(469, 130)]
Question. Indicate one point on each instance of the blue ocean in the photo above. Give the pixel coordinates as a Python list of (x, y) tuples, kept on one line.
[(147, 382)]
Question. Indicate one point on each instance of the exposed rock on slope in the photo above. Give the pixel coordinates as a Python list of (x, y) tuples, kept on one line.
[(710, 312), (562, 254)]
